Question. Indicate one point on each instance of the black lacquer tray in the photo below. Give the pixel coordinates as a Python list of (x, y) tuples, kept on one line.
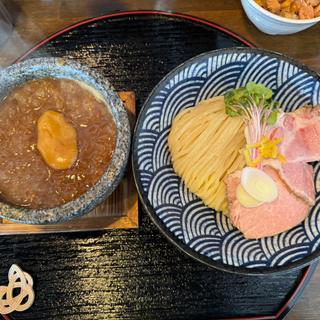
[(138, 274)]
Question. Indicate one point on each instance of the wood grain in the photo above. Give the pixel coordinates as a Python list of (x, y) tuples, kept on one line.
[(35, 19), (119, 211)]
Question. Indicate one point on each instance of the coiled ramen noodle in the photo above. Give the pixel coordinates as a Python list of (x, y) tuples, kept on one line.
[(205, 145)]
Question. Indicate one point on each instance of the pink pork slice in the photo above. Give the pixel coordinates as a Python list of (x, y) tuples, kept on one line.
[(268, 219), (300, 131), (298, 177)]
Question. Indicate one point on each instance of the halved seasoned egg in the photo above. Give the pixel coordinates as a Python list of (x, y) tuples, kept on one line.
[(259, 185), (245, 199)]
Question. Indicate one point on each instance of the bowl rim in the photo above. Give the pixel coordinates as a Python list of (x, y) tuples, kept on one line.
[(282, 19), (116, 167), (146, 205)]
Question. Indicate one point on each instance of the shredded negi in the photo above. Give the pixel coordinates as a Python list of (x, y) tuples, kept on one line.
[(254, 103)]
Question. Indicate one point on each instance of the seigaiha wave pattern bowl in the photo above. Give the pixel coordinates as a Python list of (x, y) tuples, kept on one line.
[(199, 231)]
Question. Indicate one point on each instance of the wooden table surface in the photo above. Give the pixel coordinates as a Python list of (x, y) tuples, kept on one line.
[(36, 19)]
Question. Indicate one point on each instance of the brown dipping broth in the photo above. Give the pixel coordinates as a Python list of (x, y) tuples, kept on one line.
[(25, 179)]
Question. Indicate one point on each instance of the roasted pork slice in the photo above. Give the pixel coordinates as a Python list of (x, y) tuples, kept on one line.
[(268, 219), (298, 177), (300, 131)]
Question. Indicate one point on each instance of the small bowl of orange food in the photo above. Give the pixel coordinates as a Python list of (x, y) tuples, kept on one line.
[(64, 140), (280, 17)]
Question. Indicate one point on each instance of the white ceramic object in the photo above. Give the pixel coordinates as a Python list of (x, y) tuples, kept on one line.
[(271, 23)]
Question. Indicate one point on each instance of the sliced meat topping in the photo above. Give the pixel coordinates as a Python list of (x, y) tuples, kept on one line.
[(298, 177), (269, 219), (301, 135)]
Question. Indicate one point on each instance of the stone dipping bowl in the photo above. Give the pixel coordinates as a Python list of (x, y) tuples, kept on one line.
[(18, 74)]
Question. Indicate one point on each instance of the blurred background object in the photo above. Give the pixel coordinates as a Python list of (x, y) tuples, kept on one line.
[(271, 23), (6, 24), (13, 42)]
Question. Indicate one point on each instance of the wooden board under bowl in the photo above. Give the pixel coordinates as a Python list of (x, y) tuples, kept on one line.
[(118, 211)]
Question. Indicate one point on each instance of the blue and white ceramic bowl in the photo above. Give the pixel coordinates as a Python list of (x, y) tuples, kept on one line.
[(199, 231)]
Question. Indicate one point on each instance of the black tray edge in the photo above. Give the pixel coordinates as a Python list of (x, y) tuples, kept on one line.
[(309, 270), (135, 12)]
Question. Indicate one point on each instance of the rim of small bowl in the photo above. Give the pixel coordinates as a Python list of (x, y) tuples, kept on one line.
[(282, 19), (147, 206), (115, 170)]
